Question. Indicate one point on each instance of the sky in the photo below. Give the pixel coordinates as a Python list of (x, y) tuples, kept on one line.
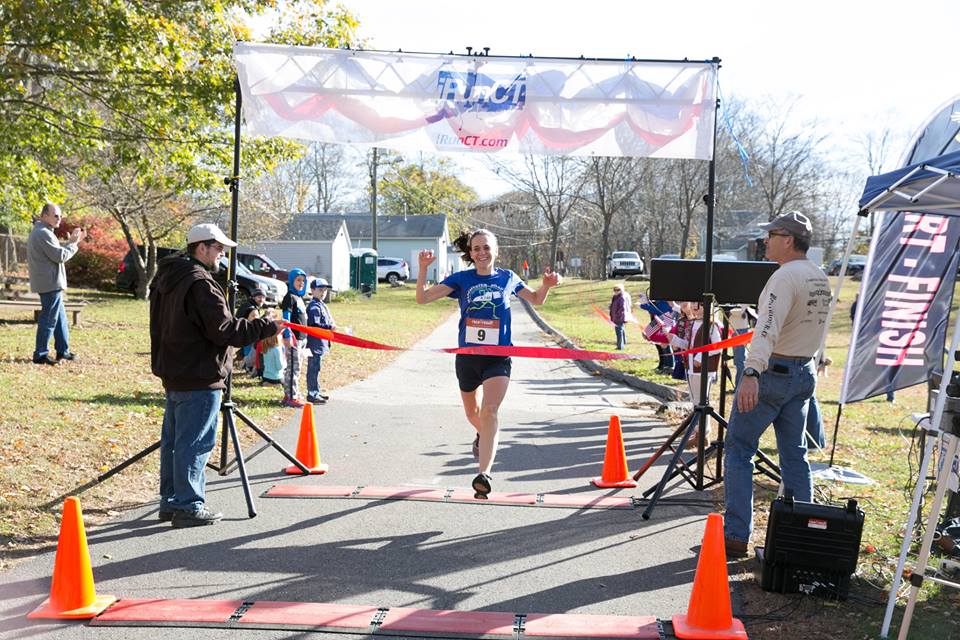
[(853, 65)]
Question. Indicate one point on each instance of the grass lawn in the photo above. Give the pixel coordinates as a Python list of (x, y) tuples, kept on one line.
[(875, 438), (60, 427)]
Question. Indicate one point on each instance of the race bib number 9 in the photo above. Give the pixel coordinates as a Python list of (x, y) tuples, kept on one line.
[(486, 332)]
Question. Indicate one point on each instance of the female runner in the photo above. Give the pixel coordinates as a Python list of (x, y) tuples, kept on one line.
[(484, 293)]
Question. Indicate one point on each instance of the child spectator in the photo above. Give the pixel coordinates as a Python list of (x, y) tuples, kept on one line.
[(249, 352), (318, 315), (662, 320), (690, 334), (251, 308), (272, 360), (294, 342)]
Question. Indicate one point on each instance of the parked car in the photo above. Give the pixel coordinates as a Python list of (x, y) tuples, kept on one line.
[(855, 265), (392, 270), (262, 265), (670, 256), (624, 263), (274, 290), (127, 272)]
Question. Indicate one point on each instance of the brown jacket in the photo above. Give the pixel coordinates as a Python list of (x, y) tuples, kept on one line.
[(192, 328)]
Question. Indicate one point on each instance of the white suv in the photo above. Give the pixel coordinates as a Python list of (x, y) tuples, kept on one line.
[(393, 270), (622, 263)]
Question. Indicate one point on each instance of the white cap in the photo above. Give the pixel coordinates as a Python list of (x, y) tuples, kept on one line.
[(208, 231)]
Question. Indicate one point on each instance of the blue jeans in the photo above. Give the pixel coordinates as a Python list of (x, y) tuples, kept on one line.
[(314, 362), (785, 390), (53, 321), (188, 434), (621, 335), (739, 356), (815, 430)]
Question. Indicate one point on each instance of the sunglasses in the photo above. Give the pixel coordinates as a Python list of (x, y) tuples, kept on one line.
[(782, 235)]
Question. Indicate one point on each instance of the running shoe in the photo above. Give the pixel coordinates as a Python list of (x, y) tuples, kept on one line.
[(292, 402), (481, 486)]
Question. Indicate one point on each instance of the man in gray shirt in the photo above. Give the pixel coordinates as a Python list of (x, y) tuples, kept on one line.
[(46, 257), (779, 376)]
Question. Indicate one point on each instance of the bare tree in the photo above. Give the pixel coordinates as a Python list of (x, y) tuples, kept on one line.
[(330, 172), (874, 150), (789, 171), (612, 185), (554, 184)]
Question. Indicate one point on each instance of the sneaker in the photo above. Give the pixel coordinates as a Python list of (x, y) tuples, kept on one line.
[(481, 486), (45, 360), (67, 355), (476, 447), (325, 397), (316, 400), (199, 518), (292, 402), (735, 548)]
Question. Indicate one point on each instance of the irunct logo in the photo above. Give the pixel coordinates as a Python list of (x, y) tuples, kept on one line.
[(474, 91)]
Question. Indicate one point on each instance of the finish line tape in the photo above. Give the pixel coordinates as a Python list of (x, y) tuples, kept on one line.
[(550, 353)]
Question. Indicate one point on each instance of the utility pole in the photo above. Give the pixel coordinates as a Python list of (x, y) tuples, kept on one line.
[(373, 201)]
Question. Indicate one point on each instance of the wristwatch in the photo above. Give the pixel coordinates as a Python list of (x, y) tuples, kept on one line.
[(750, 371)]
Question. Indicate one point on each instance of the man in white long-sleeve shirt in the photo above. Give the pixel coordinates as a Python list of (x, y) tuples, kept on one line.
[(779, 375)]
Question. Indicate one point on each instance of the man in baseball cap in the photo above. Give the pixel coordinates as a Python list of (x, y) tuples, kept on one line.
[(779, 376), (794, 223), (206, 232), (191, 332)]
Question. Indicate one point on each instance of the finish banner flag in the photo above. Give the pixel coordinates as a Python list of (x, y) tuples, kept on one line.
[(900, 326), (479, 104)]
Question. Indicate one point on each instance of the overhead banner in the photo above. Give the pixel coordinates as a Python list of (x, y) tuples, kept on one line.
[(479, 104), (903, 308)]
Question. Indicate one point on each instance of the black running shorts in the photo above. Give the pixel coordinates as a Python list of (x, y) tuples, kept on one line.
[(473, 370)]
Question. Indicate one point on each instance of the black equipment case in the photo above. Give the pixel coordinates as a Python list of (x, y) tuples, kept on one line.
[(811, 547)]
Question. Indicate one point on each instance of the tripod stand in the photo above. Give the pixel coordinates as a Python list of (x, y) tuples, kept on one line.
[(697, 421), (227, 407)]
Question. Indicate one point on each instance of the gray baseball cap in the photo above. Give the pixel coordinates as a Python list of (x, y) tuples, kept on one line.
[(794, 223)]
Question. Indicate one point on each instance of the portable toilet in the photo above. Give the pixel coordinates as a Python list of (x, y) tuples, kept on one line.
[(363, 270)]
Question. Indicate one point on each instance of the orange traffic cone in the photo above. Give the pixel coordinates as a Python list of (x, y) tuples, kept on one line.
[(72, 594), (614, 473), (308, 452), (709, 615)]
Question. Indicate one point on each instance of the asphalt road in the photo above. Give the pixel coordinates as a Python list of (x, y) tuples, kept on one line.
[(404, 426)]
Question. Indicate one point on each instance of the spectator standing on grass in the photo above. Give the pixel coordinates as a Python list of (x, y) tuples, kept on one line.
[(620, 313), (272, 360), (779, 376), (48, 277), (191, 332), (662, 319), (318, 315), (294, 342)]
